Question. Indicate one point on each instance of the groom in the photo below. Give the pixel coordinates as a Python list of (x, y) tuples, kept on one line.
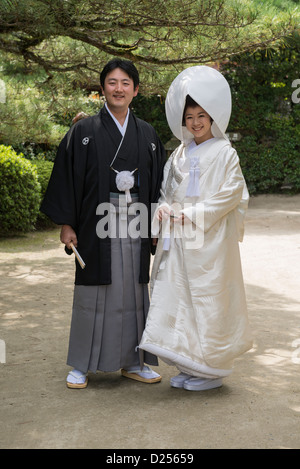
[(111, 301)]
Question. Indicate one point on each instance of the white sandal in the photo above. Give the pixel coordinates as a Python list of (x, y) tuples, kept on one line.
[(178, 381), (146, 375), (77, 380), (202, 384)]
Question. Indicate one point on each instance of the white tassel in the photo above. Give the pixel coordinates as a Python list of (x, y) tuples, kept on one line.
[(193, 187), (125, 182), (167, 242), (128, 196)]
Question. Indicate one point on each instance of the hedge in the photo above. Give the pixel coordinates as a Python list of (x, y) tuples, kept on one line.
[(20, 192), (267, 119), (44, 170)]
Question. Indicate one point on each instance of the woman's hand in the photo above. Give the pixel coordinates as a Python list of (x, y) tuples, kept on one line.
[(179, 219), (163, 213)]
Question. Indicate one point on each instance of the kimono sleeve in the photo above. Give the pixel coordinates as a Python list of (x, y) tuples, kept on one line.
[(159, 162), (162, 201), (59, 201)]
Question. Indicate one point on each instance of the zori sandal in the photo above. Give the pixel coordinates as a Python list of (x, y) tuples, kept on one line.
[(77, 380), (146, 375)]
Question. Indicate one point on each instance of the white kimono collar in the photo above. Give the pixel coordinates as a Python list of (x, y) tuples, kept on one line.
[(122, 128), (206, 154)]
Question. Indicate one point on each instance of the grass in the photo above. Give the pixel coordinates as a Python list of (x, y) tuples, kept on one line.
[(30, 242)]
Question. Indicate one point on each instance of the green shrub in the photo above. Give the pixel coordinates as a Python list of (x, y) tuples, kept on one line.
[(267, 119), (44, 170), (33, 151), (20, 192), (152, 110)]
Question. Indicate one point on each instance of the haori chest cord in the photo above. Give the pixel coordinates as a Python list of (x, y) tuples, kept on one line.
[(124, 179)]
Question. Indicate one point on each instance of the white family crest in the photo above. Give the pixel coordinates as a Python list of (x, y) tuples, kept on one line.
[(153, 146), (85, 140)]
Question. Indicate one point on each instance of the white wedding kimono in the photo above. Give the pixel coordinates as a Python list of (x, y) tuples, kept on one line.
[(198, 315)]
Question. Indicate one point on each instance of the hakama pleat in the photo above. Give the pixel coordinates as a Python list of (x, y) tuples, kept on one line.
[(108, 320)]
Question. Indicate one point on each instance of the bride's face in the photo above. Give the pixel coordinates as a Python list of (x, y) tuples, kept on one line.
[(198, 122)]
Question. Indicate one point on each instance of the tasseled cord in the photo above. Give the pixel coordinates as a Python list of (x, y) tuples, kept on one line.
[(124, 179), (125, 182), (193, 187)]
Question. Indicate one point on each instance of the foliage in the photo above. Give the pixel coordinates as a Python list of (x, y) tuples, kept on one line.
[(267, 118), (44, 169), (152, 110), (36, 110), (77, 37), (36, 151), (51, 53), (19, 192)]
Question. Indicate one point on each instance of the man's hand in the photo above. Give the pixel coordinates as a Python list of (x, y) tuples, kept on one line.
[(68, 235), (154, 241)]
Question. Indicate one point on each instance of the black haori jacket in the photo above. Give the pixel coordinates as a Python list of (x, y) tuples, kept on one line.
[(81, 180)]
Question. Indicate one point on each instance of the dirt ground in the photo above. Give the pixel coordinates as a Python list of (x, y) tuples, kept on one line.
[(257, 407)]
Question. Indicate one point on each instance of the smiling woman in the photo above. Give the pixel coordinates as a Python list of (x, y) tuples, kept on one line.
[(197, 319), (197, 121)]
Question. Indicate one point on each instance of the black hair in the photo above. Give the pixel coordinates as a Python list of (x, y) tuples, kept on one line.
[(189, 102), (126, 65)]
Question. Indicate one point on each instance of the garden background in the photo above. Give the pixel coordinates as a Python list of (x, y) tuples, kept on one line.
[(52, 52)]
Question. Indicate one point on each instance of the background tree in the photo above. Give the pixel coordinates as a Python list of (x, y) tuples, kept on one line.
[(266, 113), (162, 36), (51, 52)]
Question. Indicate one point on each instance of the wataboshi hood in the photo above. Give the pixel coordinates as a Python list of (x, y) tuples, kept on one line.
[(209, 89)]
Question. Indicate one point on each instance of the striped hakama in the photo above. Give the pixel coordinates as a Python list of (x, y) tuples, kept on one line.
[(108, 320)]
